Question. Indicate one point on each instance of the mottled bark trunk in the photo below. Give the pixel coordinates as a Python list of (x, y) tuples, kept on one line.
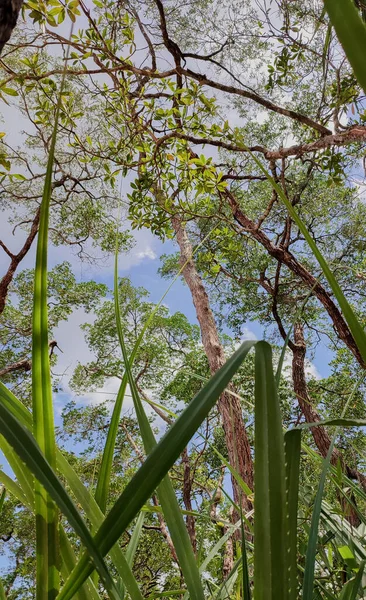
[(320, 434), (9, 11), (229, 406)]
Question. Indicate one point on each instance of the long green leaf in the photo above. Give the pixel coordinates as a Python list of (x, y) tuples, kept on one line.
[(166, 493), (351, 32), (245, 488), (13, 488), (82, 494), (270, 519), (247, 595), (88, 590), (219, 544), (67, 553), (27, 449), (101, 493), (340, 421), (2, 591), (308, 584), (47, 542), (292, 454), (157, 464), (24, 477), (351, 589), (132, 546)]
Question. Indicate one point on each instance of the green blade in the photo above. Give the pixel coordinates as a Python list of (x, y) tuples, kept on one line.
[(2, 498), (157, 464), (292, 454), (355, 327), (340, 421), (43, 422), (247, 595), (132, 546), (13, 488), (351, 32), (166, 493), (24, 477), (27, 449), (82, 494), (101, 493), (308, 583), (351, 589), (270, 520)]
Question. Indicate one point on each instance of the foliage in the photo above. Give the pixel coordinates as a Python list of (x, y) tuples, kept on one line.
[(238, 127)]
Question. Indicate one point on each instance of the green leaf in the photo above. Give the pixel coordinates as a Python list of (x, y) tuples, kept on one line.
[(351, 32), (270, 519), (2, 498), (355, 326), (343, 422), (308, 583), (83, 496), (245, 488), (166, 493), (103, 483), (13, 488), (351, 589), (47, 546), (245, 571), (9, 91), (292, 454), (2, 591), (27, 449), (157, 464)]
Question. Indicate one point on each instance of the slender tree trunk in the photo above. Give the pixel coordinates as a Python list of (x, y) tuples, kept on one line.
[(229, 406), (16, 259), (187, 499), (228, 559), (320, 435)]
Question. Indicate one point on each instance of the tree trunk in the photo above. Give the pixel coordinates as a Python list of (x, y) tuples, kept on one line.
[(187, 499), (320, 435), (229, 406), (9, 11), (228, 559), (288, 259)]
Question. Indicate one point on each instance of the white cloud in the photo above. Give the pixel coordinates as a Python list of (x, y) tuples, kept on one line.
[(247, 334), (73, 347), (311, 372), (147, 253)]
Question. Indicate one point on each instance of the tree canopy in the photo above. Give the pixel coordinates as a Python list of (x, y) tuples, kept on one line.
[(232, 132)]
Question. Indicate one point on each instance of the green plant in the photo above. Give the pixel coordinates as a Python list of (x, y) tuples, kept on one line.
[(30, 449)]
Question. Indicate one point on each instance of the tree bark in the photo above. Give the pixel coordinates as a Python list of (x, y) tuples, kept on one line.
[(187, 499), (320, 435), (9, 11), (16, 259), (228, 559), (229, 406), (288, 259)]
